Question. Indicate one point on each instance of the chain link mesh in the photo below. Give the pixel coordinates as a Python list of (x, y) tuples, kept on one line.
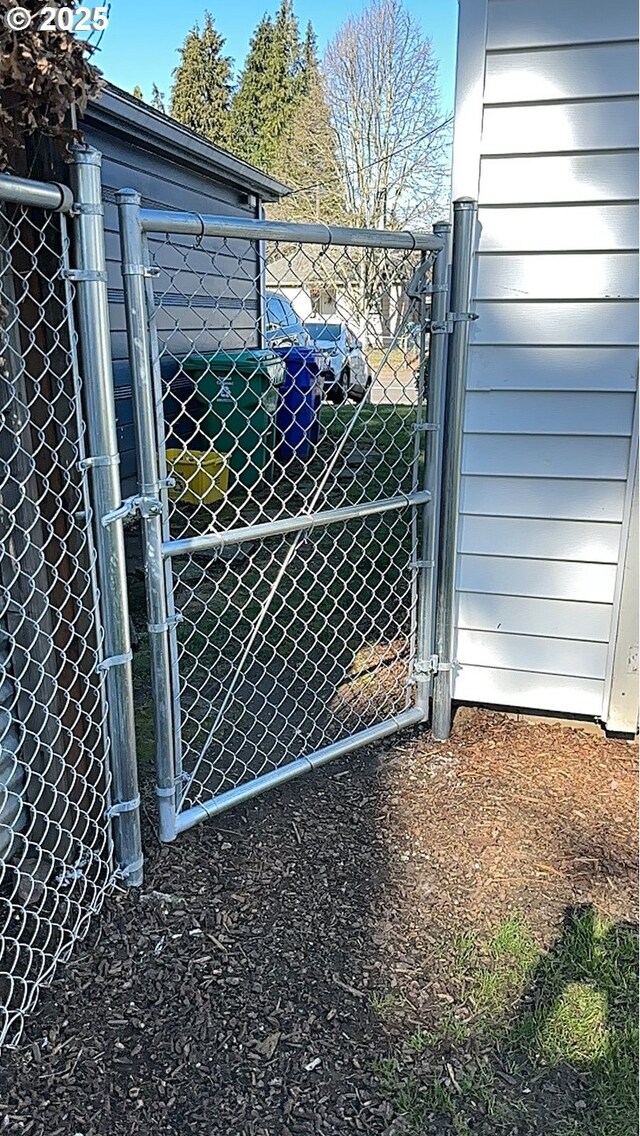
[(55, 847), (286, 643)]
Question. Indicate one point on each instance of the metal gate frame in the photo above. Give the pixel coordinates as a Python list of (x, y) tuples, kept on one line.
[(158, 547)]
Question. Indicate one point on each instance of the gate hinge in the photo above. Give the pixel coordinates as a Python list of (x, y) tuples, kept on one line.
[(430, 666), (81, 208), (167, 625), (98, 462), (84, 275), (446, 326), (140, 270), (144, 506)]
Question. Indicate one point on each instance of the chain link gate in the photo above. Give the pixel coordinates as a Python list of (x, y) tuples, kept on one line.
[(285, 491)]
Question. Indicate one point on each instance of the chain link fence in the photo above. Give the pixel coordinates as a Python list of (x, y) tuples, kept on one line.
[(55, 843), (288, 401), (287, 405)]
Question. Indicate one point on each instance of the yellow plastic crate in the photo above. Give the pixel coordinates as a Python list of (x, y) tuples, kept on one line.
[(200, 477)]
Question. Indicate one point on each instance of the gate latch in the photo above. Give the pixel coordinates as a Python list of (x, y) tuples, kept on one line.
[(144, 506)]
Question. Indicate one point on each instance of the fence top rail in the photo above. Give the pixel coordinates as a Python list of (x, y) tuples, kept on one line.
[(197, 225), (39, 194)]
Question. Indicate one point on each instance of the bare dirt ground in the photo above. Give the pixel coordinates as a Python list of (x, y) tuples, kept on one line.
[(278, 956)]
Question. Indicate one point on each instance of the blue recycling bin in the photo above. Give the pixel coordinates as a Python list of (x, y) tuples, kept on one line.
[(298, 415)]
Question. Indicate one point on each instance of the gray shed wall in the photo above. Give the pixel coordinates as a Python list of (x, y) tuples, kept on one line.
[(228, 303)]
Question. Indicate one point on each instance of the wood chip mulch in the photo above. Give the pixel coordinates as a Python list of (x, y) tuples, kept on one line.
[(235, 995)]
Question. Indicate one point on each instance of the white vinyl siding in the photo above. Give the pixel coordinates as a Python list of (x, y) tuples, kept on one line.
[(589, 541), (552, 372), (551, 412), (553, 368), (556, 619), (517, 24), (586, 500), (572, 276), (554, 579), (559, 693), (611, 124), (533, 180), (564, 228), (539, 455), (554, 323), (585, 72)]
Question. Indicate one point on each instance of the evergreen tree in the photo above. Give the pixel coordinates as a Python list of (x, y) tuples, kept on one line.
[(201, 92), (137, 93), (249, 116), (310, 66), (157, 99), (270, 88), (285, 71)]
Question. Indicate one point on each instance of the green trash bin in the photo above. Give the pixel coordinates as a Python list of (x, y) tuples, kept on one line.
[(239, 390)]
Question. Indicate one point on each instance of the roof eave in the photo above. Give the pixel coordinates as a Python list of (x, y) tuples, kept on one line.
[(124, 115)]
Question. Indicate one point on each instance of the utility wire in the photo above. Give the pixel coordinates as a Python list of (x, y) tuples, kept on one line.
[(387, 157)]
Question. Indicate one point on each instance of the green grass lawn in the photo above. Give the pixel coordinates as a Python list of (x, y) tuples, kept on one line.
[(532, 1042)]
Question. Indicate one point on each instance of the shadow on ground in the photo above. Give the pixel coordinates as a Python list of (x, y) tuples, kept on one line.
[(379, 948), (559, 1059)]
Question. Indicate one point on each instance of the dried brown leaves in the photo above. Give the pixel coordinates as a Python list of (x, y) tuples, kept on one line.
[(42, 75)]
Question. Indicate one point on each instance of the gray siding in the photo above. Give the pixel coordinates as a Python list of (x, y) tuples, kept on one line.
[(207, 294), (552, 380)]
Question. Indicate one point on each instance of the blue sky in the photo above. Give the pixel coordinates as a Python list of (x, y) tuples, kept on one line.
[(140, 43)]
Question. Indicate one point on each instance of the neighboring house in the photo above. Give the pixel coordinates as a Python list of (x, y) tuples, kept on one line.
[(296, 277), (319, 287), (546, 139), (173, 167)]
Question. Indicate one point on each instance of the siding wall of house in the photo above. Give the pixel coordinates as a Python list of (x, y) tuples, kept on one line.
[(546, 140), (208, 296)]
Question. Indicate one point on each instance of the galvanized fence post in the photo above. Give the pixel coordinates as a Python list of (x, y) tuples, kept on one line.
[(464, 228), (438, 344), (90, 280), (148, 504)]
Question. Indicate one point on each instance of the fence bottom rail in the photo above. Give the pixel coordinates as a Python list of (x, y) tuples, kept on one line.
[(243, 793)]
